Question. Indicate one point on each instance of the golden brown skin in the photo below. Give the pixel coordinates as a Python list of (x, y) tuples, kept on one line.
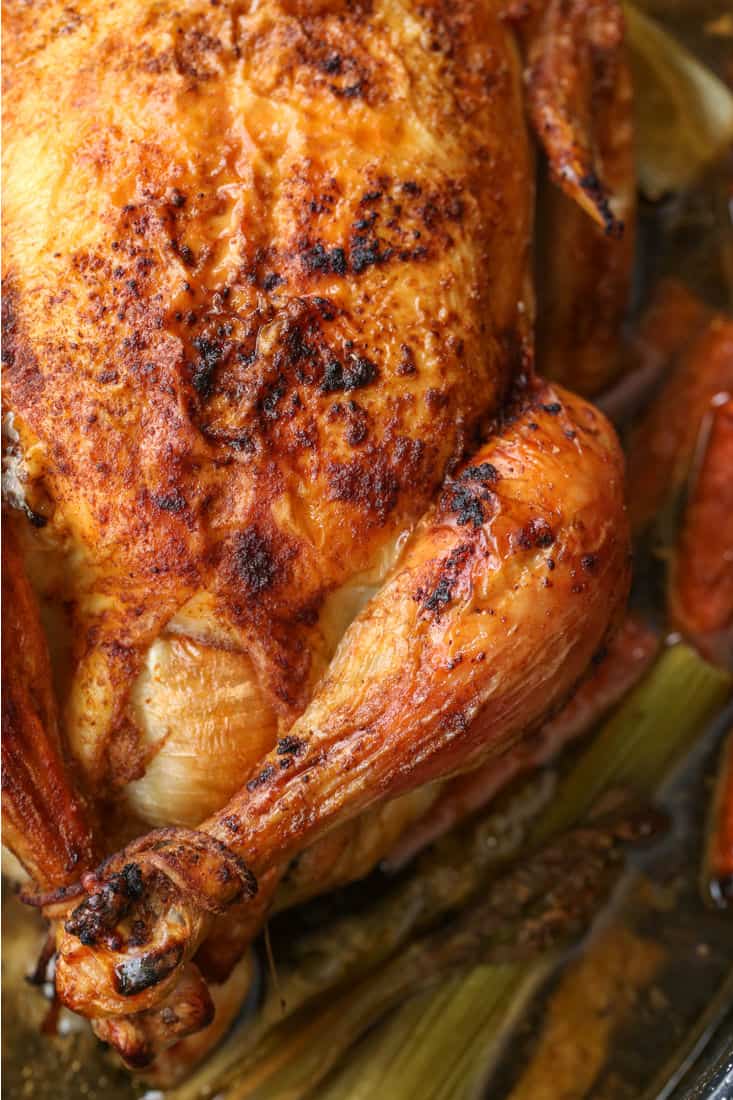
[(267, 285)]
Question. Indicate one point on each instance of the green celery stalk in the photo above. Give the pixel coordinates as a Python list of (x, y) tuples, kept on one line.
[(646, 735)]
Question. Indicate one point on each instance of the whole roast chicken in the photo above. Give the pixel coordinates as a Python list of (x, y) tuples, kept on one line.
[(293, 532)]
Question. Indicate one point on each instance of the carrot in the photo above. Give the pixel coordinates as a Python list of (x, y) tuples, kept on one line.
[(663, 443), (700, 591)]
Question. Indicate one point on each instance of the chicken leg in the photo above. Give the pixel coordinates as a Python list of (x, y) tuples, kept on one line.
[(486, 622)]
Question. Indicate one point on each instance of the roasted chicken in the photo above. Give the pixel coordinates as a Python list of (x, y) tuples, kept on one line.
[(307, 534)]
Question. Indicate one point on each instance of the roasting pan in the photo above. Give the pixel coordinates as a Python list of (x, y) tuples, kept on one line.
[(677, 1042)]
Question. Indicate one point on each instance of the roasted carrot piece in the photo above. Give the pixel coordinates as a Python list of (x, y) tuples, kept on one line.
[(673, 319), (700, 594), (663, 443)]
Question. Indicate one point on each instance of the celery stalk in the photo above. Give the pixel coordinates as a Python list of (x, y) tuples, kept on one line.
[(646, 735)]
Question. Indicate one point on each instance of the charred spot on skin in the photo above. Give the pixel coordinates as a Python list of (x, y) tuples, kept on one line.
[(133, 879), (242, 441), (485, 472), (369, 483), (135, 975), (260, 780), (316, 259), (553, 408), (326, 309), (357, 421), (290, 745), (367, 252), (589, 562), (101, 911), (170, 502), (253, 560), (34, 518), (186, 253), (467, 506), (595, 191), (211, 354), (271, 281), (331, 64), (535, 534), (350, 91), (338, 378), (442, 593), (469, 497), (232, 823), (224, 874), (366, 222)]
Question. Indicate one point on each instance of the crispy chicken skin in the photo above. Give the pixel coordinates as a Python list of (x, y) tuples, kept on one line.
[(309, 534)]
